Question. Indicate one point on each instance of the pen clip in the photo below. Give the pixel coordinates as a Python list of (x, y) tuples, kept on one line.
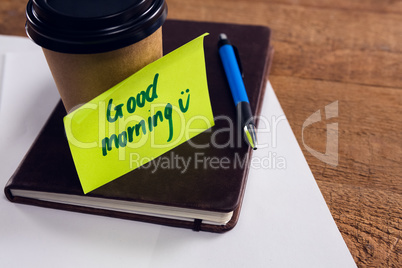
[(236, 52)]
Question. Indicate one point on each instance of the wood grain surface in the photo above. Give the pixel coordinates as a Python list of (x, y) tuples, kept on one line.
[(327, 51)]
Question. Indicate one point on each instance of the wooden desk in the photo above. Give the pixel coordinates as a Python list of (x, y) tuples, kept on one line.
[(327, 51)]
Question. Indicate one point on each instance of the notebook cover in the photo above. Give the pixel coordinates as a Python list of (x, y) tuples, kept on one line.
[(48, 165)]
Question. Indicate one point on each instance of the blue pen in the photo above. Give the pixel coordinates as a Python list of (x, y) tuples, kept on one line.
[(233, 74)]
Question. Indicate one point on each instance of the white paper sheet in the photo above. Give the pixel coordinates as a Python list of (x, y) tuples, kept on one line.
[(13, 44), (284, 221)]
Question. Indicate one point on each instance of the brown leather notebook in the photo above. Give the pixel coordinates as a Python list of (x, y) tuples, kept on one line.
[(188, 185)]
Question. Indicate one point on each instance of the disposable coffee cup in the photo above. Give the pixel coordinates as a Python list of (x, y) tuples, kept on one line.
[(91, 45)]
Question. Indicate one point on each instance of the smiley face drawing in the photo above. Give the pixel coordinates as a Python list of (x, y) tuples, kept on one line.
[(184, 109)]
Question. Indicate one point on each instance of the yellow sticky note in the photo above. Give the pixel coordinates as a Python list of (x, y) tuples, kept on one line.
[(151, 112)]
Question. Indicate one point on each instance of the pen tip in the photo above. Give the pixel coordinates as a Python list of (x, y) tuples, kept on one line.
[(251, 135), (223, 36)]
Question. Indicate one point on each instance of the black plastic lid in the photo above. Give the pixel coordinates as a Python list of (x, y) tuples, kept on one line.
[(92, 26)]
